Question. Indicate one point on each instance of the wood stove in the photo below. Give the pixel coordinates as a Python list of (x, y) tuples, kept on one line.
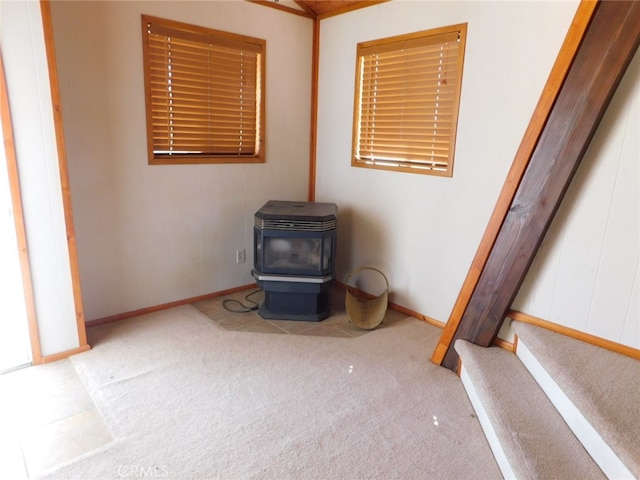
[(294, 253)]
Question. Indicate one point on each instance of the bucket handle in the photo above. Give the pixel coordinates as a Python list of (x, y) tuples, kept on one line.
[(359, 269)]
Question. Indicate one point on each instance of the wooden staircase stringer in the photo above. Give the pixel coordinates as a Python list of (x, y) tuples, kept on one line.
[(604, 37)]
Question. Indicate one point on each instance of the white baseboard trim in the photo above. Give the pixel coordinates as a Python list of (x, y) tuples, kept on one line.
[(601, 453), (487, 427)]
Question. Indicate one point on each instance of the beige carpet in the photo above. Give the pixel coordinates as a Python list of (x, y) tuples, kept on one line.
[(603, 385), (185, 398), (515, 406)]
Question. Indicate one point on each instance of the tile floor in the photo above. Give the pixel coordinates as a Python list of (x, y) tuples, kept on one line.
[(47, 417), (337, 325)]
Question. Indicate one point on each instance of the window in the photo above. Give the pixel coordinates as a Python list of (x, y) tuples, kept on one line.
[(204, 94), (406, 101)]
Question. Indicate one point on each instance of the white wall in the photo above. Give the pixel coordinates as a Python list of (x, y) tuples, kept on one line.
[(587, 273), (149, 235), (28, 86), (15, 348), (423, 231)]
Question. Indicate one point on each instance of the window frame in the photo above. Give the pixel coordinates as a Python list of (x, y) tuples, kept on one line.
[(395, 46), (205, 36)]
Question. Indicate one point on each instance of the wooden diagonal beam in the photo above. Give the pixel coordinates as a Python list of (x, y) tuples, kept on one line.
[(610, 39)]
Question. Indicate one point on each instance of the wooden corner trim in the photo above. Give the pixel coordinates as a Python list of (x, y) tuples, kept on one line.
[(577, 334), (505, 344), (62, 355), (18, 218), (396, 307), (156, 308), (419, 316), (47, 26), (313, 139)]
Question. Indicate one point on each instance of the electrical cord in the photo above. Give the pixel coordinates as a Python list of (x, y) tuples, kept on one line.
[(243, 308)]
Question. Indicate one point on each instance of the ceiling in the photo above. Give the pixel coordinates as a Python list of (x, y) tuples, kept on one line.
[(318, 9), (322, 7)]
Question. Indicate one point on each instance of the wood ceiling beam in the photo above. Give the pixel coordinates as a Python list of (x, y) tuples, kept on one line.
[(604, 39), (349, 8), (284, 8), (306, 8)]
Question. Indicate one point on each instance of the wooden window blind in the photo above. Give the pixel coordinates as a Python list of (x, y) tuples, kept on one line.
[(204, 94), (406, 101)]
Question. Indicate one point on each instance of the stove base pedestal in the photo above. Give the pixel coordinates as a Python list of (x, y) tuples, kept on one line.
[(288, 298)]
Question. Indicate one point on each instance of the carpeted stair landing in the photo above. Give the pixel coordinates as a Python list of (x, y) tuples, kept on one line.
[(510, 407), (559, 408), (597, 391)]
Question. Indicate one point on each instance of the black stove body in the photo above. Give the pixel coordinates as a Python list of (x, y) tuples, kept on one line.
[(294, 253)]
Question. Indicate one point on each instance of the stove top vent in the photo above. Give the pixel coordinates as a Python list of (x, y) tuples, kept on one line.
[(297, 216), (295, 225)]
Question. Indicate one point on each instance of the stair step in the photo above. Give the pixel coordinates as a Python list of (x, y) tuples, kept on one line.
[(597, 392), (528, 436)]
